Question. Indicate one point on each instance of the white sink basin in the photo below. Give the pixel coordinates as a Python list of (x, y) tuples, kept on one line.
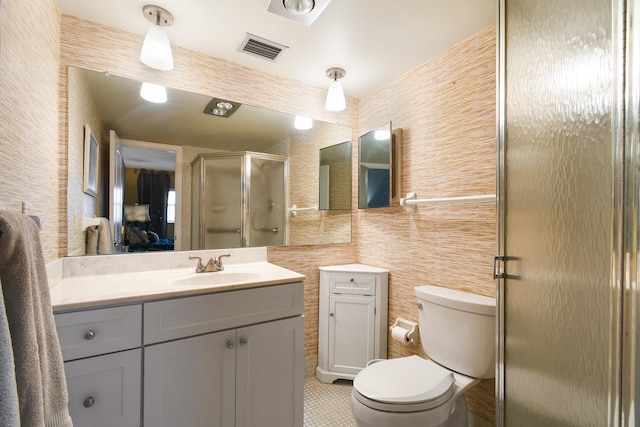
[(226, 277)]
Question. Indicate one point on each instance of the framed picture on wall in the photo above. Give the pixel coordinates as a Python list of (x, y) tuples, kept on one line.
[(90, 184)]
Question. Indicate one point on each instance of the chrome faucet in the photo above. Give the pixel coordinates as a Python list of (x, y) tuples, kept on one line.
[(218, 261), (214, 264)]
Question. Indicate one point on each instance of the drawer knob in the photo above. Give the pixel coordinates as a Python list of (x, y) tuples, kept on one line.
[(89, 402), (330, 314), (229, 344), (90, 334), (351, 280), (243, 341)]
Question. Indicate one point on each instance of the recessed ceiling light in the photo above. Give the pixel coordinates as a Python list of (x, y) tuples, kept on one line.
[(302, 11), (299, 7)]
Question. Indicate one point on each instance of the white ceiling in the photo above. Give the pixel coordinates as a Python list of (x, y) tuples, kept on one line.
[(375, 41)]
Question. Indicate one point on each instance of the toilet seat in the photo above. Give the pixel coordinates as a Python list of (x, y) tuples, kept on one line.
[(407, 384)]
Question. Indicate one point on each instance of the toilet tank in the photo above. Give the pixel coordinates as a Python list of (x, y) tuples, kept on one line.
[(458, 330)]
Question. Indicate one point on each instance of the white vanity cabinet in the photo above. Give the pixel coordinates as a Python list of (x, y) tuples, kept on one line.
[(352, 327), (102, 363), (225, 359)]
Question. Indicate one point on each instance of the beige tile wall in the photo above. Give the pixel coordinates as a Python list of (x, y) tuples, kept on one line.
[(82, 111), (29, 157), (446, 109)]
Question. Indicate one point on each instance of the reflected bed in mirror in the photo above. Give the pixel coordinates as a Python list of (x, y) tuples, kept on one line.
[(110, 103)]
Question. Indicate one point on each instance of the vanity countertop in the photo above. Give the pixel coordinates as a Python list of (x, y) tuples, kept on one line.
[(89, 291)]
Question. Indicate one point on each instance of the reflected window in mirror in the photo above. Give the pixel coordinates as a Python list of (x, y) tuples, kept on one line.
[(335, 177)]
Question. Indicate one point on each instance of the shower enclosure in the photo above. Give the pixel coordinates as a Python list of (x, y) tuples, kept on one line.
[(239, 199)]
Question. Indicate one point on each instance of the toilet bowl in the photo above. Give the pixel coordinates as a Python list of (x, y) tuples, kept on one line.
[(414, 391)]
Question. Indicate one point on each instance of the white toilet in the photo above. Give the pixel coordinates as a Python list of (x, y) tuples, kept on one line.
[(457, 330)]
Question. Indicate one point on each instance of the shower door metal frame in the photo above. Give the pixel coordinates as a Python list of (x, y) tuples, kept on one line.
[(630, 294)]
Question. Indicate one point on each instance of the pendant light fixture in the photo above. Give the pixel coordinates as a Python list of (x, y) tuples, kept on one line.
[(156, 49), (335, 96), (303, 123), (153, 93)]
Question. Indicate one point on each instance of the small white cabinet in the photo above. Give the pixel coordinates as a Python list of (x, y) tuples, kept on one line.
[(352, 328)]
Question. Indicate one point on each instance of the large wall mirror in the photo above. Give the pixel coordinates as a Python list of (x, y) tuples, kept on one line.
[(379, 167), (151, 142)]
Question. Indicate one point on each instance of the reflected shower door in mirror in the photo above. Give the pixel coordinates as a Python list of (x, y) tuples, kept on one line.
[(335, 177), (239, 200), (379, 167), (109, 102)]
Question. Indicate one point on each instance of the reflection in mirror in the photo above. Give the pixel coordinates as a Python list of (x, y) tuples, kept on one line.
[(108, 102), (335, 177), (239, 200), (375, 168)]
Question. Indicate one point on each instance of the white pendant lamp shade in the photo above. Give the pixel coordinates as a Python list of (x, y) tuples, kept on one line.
[(335, 96), (153, 93), (156, 49)]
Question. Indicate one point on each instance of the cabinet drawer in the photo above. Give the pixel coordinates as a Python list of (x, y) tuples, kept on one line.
[(104, 391), (93, 332), (352, 283), (183, 317)]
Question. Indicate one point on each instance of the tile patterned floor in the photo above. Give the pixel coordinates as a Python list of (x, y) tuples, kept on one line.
[(327, 405)]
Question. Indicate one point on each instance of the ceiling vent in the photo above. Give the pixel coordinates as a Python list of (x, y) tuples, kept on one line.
[(262, 48)]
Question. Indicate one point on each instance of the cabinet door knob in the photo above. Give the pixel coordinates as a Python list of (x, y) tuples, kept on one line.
[(351, 280), (330, 314), (229, 344), (243, 341), (89, 402), (89, 334)]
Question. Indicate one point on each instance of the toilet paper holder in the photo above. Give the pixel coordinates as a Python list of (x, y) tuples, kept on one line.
[(403, 330)]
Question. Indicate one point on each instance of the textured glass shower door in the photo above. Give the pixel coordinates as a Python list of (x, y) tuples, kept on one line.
[(239, 199), (560, 203), (267, 202)]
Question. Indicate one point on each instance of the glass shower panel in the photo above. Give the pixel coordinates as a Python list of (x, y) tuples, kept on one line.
[(267, 203), (559, 172), (223, 202)]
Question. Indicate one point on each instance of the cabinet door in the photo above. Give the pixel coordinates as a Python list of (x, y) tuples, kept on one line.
[(104, 391), (270, 374), (191, 382), (351, 332)]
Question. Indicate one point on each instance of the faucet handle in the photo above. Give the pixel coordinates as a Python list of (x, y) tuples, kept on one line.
[(219, 261), (199, 267)]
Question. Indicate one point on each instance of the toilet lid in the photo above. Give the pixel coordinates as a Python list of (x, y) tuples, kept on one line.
[(407, 380)]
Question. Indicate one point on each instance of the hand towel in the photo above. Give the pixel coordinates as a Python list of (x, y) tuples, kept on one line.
[(9, 409), (39, 369), (92, 240), (105, 238)]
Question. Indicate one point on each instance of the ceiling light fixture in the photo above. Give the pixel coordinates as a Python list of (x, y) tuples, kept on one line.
[(299, 7), (303, 123), (156, 49), (335, 96), (221, 107), (153, 93)]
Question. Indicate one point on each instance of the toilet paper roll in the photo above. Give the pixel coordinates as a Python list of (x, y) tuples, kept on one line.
[(400, 334)]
